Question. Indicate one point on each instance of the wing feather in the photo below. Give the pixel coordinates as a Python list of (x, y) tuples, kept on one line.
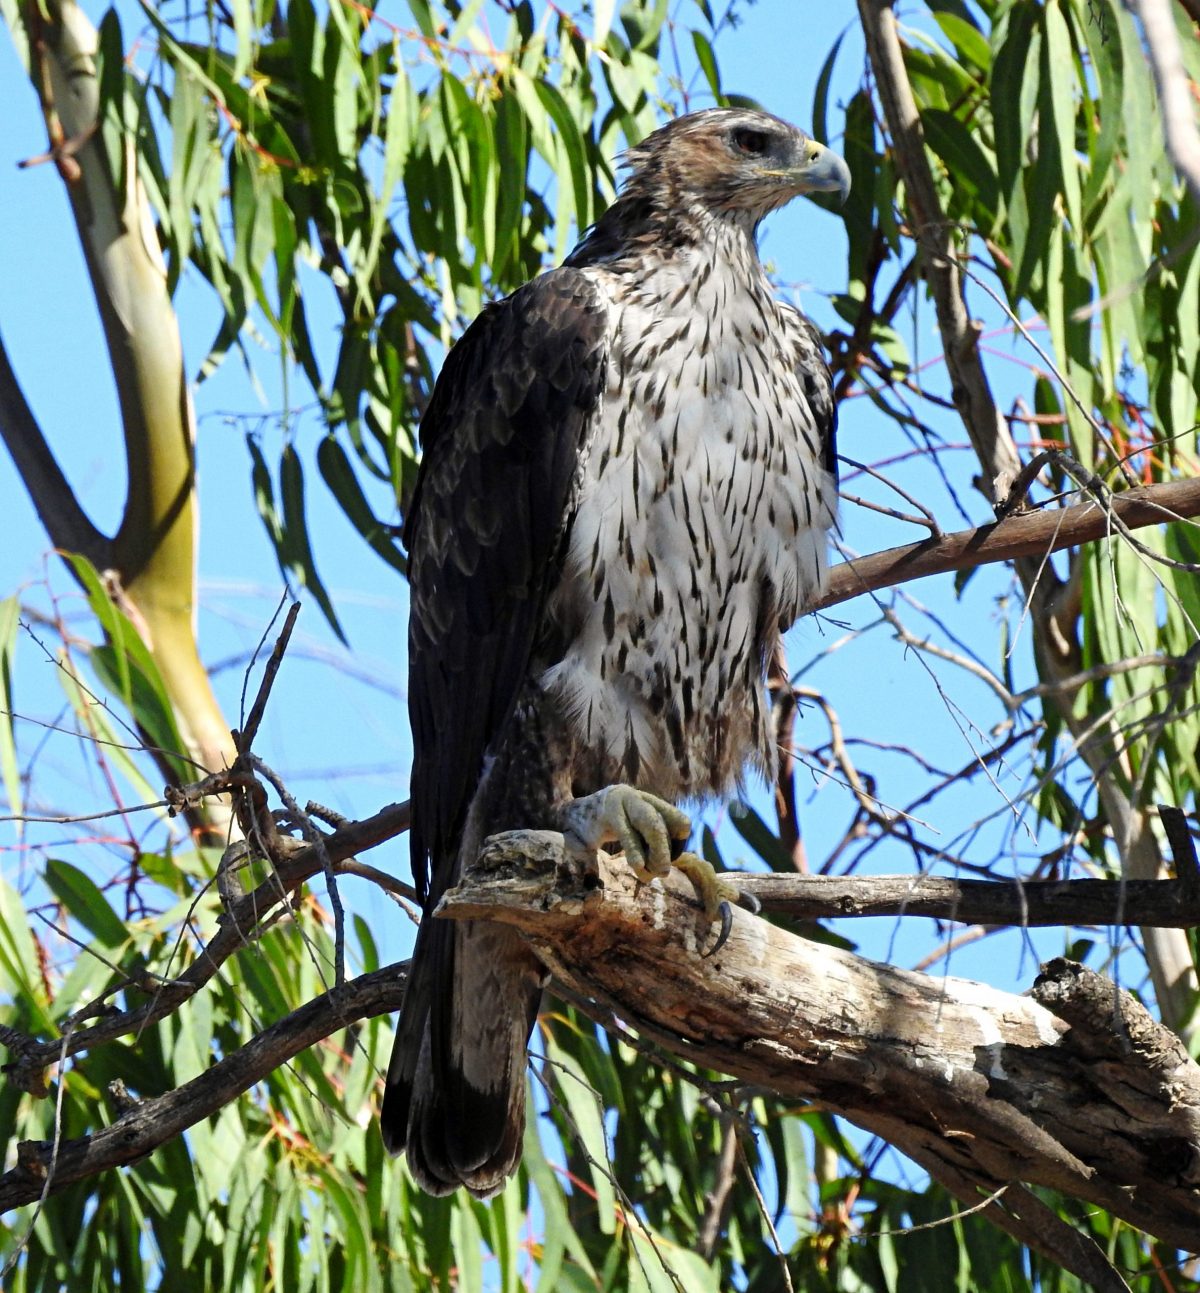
[(503, 438), (812, 368)]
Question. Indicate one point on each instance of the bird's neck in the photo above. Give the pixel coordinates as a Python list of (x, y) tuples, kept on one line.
[(641, 223)]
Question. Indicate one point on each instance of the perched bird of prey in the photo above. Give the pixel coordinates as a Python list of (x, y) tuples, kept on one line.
[(627, 481)]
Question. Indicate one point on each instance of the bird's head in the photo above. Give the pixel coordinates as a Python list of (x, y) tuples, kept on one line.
[(735, 162)]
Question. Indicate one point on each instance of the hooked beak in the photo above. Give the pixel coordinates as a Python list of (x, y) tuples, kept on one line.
[(820, 170)]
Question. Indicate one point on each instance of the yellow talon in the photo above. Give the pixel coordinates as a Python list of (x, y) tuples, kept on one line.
[(648, 829), (710, 888)]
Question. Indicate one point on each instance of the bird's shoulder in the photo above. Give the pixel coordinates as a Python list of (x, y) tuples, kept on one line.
[(527, 368)]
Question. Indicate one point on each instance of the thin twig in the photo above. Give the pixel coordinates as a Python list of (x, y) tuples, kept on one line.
[(245, 738), (927, 517), (718, 1196), (765, 1213), (316, 840)]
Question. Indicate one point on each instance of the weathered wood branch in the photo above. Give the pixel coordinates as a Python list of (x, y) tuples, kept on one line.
[(1158, 904), (980, 1086)]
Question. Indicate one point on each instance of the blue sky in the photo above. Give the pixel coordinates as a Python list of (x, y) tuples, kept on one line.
[(337, 727)]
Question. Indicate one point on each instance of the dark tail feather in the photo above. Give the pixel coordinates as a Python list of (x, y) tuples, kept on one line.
[(455, 1092), (406, 1048)]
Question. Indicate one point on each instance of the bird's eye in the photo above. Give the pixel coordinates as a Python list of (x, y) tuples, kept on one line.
[(752, 142)]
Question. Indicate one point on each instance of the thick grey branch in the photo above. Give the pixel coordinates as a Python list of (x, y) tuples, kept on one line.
[(976, 1084), (57, 507), (1159, 904)]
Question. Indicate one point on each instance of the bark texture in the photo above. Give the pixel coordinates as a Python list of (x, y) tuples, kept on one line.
[(1074, 1087)]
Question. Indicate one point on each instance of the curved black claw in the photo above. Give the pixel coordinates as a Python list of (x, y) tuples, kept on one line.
[(749, 902), (725, 911)]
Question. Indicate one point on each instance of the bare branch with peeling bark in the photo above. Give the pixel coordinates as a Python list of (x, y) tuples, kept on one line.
[(1025, 535), (981, 1087)]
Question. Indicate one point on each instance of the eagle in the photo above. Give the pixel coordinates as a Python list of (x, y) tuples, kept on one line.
[(626, 484)]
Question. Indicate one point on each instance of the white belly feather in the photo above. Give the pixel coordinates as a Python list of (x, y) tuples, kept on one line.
[(704, 508)]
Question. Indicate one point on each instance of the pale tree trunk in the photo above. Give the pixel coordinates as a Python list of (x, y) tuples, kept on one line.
[(149, 565)]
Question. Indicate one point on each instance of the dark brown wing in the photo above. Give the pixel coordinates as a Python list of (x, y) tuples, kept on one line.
[(503, 438)]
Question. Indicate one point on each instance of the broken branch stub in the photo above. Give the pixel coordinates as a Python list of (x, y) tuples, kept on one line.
[(973, 1083)]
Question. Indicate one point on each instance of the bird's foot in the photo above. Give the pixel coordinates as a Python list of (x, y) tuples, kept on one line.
[(650, 831)]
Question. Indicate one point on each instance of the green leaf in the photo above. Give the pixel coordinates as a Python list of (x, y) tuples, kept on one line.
[(820, 111), (970, 44), (708, 64), (1105, 55), (10, 771), (342, 74), (95, 724), (766, 844), (571, 140), (11, 15), (512, 161), (243, 27), (125, 666), (83, 900), (20, 963), (964, 160), (295, 547), (603, 12), (338, 474), (1041, 200), (1058, 81), (644, 22), (581, 1108)]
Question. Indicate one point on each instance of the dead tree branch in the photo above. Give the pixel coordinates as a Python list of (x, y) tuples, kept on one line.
[(1158, 904), (1078, 1090)]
